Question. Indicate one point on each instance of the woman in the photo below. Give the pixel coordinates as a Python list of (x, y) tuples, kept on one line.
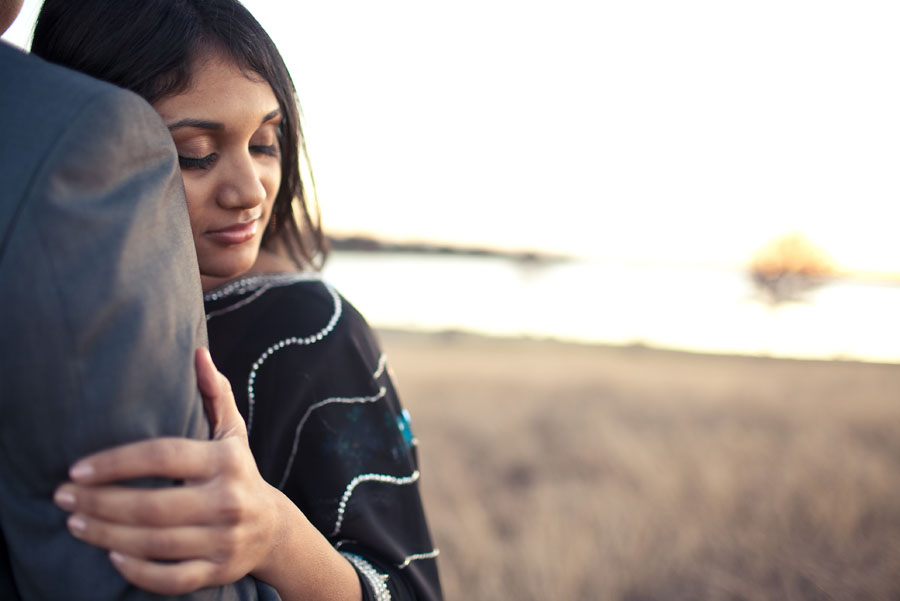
[(327, 505)]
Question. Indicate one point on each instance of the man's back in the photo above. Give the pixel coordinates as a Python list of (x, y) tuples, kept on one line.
[(100, 310)]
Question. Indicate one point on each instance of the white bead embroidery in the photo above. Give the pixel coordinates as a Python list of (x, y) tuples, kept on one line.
[(411, 558), (375, 578), (311, 339), (348, 492), (360, 399), (262, 290), (382, 363), (242, 285)]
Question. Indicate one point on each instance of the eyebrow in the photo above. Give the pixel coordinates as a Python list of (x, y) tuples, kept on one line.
[(214, 125), (198, 123)]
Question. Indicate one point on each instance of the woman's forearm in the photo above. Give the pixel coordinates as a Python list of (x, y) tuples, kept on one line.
[(302, 564)]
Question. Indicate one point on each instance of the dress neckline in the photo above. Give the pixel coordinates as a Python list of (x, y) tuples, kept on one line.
[(250, 283)]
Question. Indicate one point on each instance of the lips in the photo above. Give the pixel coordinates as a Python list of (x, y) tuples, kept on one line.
[(234, 234)]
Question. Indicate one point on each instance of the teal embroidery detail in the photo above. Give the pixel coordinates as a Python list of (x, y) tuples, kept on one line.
[(403, 423)]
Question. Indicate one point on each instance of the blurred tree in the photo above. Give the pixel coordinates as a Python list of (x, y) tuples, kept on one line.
[(789, 266)]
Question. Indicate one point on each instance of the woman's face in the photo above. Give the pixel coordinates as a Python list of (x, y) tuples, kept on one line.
[(225, 127)]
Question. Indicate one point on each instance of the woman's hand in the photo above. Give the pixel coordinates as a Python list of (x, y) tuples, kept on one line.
[(221, 524)]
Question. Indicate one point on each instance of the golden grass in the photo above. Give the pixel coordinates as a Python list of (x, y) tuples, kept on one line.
[(567, 472)]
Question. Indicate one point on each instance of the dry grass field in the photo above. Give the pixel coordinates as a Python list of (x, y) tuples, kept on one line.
[(565, 472)]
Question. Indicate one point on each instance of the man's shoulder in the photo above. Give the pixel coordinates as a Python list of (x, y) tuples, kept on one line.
[(50, 116), (28, 78), (38, 100)]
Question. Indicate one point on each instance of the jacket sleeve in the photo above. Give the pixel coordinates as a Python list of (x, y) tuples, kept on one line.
[(100, 312)]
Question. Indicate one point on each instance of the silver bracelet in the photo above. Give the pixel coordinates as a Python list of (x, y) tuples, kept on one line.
[(375, 578)]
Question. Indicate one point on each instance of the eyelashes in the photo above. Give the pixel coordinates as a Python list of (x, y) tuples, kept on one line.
[(209, 160), (271, 150), (197, 163)]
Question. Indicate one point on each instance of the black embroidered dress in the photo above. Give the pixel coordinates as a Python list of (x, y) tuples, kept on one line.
[(325, 423)]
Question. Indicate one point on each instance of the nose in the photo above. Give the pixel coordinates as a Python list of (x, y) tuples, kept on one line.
[(242, 187)]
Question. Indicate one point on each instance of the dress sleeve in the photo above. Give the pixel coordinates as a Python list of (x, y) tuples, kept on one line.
[(101, 315), (351, 462)]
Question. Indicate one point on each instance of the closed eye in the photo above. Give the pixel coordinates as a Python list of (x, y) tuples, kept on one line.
[(270, 150), (197, 163)]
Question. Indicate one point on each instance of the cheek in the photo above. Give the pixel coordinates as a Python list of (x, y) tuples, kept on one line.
[(271, 181), (274, 180)]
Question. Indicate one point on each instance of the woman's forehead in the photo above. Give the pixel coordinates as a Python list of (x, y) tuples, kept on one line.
[(219, 86)]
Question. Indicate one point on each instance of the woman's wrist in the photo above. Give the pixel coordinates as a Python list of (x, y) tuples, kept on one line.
[(301, 563)]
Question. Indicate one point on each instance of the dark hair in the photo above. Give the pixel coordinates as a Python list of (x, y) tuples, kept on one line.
[(149, 47)]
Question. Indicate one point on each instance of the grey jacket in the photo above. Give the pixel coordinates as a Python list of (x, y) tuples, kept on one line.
[(100, 311)]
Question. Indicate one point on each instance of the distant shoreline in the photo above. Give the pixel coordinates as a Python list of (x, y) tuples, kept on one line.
[(465, 337), (361, 243)]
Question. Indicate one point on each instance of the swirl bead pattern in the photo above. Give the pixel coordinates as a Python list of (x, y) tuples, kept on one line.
[(293, 340), (348, 492)]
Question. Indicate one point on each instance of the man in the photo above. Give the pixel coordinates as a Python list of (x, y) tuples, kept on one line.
[(100, 311)]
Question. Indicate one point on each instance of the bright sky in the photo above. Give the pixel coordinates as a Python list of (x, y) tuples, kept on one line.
[(648, 129)]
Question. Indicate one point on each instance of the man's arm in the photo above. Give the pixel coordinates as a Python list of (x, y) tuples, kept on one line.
[(100, 313)]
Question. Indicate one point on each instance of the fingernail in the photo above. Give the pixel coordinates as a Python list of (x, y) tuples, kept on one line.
[(65, 499), (76, 524), (116, 557), (81, 471)]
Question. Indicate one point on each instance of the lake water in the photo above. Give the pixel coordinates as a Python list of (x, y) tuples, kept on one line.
[(679, 307)]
